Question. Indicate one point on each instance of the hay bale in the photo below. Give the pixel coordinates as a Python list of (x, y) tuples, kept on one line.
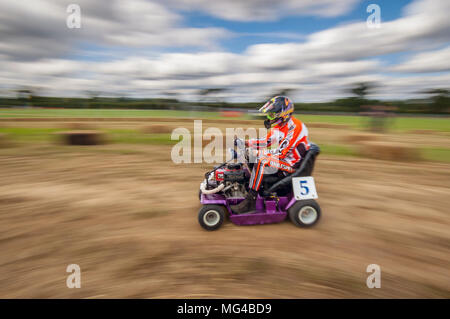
[(359, 138), (78, 126), (388, 151), (156, 129), (427, 132), (327, 125), (82, 137), (4, 141)]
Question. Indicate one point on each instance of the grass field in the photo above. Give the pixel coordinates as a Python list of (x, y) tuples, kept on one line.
[(127, 214), (29, 112), (397, 124), (437, 129)]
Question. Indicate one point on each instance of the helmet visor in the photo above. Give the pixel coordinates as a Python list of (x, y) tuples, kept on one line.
[(266, 107)]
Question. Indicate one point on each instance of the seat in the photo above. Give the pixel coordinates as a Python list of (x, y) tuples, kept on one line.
[(281, 184)]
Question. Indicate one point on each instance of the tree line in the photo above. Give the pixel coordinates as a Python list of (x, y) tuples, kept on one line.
[(437, 101)]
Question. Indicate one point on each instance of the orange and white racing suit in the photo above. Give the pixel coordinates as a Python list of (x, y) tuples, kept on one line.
[(289, 136)]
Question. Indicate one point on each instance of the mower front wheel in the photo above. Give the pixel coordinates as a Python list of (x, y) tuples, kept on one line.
[(211, 217)]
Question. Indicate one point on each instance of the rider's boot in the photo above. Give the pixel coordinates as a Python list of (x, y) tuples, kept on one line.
[(247, 205)]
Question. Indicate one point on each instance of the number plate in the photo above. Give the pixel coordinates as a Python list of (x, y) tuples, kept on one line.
[(304, 188)]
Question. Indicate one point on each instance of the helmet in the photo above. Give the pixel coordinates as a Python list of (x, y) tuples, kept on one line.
[(278, 111)]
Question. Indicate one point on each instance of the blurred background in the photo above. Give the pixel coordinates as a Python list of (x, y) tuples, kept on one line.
[(90, 93)]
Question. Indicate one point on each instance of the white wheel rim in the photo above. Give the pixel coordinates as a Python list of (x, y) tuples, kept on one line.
[(307, 215), (211, 218)]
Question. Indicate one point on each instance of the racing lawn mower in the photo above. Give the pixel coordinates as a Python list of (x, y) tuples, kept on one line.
[(227, 184)]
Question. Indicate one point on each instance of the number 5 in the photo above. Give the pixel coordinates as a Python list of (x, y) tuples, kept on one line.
[(302, 186)]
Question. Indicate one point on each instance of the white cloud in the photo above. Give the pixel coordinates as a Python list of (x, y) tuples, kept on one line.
[(430, 61), (420, 29), (37, 29), (34, 48), (265, 10)]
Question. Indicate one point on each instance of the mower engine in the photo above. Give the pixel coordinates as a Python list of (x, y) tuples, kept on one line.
[(233, 177)]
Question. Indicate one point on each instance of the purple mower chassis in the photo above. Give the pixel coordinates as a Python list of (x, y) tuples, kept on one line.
[(266, 210)]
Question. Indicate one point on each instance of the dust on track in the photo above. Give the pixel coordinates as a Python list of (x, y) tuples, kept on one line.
[(130, 222)]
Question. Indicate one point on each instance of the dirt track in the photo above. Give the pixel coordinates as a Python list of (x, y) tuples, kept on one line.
[(129, 219)]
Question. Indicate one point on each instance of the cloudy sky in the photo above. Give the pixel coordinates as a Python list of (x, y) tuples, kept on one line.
[(151, 48)]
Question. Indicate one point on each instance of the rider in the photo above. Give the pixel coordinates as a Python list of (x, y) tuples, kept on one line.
[(290, 136)]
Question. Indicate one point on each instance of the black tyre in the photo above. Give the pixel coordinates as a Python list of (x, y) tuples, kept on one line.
[(211, 217), (305, 213)]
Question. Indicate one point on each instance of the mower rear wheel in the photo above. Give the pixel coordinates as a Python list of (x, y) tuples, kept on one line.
[(305, 213)]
